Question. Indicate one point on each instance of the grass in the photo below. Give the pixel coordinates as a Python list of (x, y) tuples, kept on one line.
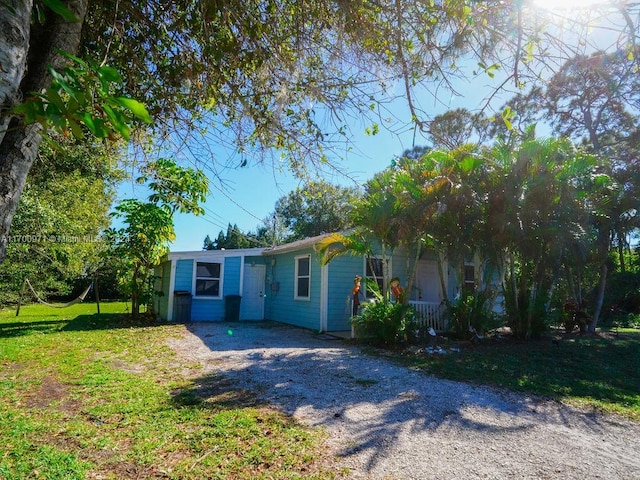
[(98, 396), (601, 371)]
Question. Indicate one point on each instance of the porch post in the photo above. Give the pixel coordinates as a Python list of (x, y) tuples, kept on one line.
[(324, 297)]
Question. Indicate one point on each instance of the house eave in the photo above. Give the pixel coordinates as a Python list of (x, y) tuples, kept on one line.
[(240, 252)]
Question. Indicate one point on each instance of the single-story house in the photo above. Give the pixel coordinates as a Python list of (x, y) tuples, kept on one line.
[(287, 284)]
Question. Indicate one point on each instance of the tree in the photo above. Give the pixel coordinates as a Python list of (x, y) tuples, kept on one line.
[(316, 208), (282, 77), (593, 97), (456, 128), (596, 98), (148, 226), (234, 238), (56, 233), (535, 212)]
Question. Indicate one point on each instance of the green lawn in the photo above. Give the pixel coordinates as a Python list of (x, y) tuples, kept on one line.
[(97, 396), (601, 371)]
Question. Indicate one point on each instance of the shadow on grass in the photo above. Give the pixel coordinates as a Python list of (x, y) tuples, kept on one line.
[(600, 369), (214, 391), (102, 321)]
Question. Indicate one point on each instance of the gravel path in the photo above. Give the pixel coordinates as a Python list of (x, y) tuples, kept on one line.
[(389, 422)]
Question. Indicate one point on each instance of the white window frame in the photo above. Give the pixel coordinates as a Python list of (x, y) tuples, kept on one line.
[(364, 273), (297, 277), (196, 278)]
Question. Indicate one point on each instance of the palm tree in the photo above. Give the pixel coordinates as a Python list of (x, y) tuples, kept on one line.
[(535, 213)]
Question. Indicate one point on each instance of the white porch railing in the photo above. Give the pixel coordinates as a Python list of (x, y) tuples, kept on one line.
[(430, 315)]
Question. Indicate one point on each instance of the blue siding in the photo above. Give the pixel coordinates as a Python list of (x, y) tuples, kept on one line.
[(281, 305), (184, 275), (342, 271), (231, 278), (206, 309)]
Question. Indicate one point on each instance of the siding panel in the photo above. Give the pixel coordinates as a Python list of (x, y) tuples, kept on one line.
[(184, 275), (342, 271), (231, 278), (207, 310), (281, 305)]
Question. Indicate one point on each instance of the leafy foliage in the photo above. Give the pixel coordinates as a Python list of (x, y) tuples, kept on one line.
[(472, 312), (84, 94), (148, 229), (382, 321), (56, 232), (316, 208), (233, 238)]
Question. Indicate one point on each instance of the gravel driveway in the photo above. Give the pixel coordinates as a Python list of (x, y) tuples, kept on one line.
[(389, 422)]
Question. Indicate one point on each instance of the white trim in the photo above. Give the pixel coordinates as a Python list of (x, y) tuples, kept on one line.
[(295, 278), (172, 285), (241, 275), (221, 279), (324, 297)]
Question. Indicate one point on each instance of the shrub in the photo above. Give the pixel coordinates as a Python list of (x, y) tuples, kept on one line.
[(385, 322), (472, 311)]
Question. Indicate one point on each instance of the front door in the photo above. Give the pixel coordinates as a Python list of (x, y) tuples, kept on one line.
[(252, 303), (427, 282)]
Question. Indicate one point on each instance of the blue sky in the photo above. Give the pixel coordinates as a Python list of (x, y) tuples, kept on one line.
[(251, 192)]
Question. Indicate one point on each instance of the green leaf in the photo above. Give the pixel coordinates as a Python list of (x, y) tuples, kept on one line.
[(76, 129), (136, 107), (109, 74), (72, 57), (95, 125), (61, 9), (468, 164), (53, 97)]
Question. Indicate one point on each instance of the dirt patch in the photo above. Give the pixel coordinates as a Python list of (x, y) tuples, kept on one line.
[(51, 392), (128, 367)]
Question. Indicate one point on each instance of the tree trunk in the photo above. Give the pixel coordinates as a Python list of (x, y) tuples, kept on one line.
[(26, 52), (443, 283), (600, 298), (623, 267), (15, 18), (411, 271)]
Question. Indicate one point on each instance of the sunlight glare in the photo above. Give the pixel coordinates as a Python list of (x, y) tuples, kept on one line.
[(566, 4)]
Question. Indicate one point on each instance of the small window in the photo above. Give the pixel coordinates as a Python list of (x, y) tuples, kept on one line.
[(374, 273), (469, 278), (303, 277), (208, 279)]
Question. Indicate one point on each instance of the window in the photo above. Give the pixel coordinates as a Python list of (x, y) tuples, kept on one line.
[(208, 279), (469, 284), (303, 278), (375, 274)]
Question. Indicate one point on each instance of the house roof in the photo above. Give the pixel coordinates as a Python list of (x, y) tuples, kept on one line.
[(297, 245), (250, 252)]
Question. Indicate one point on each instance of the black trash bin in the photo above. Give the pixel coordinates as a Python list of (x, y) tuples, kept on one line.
[(182, 306), (232, 308)]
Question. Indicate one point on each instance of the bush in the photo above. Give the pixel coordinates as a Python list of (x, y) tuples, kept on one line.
[(385, 322), (472, 311)]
